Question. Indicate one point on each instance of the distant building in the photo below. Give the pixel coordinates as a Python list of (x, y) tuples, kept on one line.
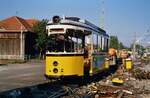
[(17, 38)]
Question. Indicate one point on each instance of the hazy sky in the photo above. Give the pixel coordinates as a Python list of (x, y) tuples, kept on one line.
[(122, 17)]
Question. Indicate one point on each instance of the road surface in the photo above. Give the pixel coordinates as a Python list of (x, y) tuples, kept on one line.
[(21, 75)]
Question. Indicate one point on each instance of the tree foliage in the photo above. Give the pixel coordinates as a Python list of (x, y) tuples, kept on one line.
[(114, 43), (121, 46), (42, 38)]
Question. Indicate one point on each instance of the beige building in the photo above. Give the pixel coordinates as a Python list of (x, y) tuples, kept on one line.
[(17, 38)]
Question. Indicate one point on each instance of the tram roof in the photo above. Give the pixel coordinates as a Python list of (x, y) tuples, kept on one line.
[(75, 21)]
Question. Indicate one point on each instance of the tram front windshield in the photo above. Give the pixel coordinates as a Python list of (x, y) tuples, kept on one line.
[(65, 43)]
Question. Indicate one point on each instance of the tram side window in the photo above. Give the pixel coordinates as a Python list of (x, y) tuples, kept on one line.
[(95, 43), (99, 43), (105, 44)]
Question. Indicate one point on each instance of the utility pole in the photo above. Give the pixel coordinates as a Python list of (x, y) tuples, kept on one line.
[(16, 13), (102, 15), (134, 47)]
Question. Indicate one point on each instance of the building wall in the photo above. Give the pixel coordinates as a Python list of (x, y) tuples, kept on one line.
[(9, 45)]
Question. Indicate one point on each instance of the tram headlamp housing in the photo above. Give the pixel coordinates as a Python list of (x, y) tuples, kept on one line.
[(56, 19), (55, 63), (55, 70)]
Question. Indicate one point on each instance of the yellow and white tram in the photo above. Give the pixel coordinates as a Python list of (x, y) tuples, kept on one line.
[(78, 47)]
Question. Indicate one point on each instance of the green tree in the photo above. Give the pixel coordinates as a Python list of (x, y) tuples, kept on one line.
[(121, 46), (114, 42), (42, 38)]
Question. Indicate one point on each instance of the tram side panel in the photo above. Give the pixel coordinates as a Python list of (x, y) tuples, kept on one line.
[(99, 48), (98, 62)]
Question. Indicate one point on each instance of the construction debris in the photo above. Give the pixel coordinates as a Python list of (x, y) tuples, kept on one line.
[(135, 84), (141, 74), (117, 81), (142, 71)]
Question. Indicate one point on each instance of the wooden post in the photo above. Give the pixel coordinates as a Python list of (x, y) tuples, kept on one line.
[(21, 44)]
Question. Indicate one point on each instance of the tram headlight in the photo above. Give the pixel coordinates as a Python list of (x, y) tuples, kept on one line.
[(56, 19), (55, 70), (55, 63)]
